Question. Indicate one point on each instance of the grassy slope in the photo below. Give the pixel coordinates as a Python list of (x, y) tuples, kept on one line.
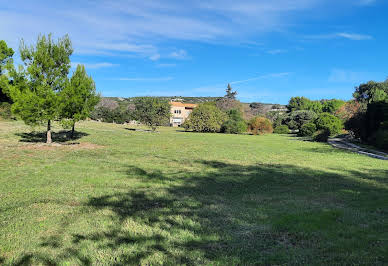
[(175, 197)]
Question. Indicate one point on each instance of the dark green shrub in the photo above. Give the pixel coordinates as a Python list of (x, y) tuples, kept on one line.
[(321, 135), (5, 110), (295, 120), (235, 123), (307, 130), (381, 139), (205, 118), (330, 123), (282, 129)]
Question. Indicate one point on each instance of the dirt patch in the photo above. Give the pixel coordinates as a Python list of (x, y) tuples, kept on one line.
[(62, 146)]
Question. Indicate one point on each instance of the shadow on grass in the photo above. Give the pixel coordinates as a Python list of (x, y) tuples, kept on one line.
[(231, 214), (60, 137)]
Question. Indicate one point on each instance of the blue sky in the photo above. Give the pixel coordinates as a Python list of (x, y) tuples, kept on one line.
[(268, 50)]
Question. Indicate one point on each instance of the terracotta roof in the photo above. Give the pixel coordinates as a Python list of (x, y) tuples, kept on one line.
[(179, 104)]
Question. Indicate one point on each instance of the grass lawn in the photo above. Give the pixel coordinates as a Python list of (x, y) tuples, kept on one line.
[(128, 197)]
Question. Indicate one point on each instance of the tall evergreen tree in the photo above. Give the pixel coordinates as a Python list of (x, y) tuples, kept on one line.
[(78, 98), (230, 94), (38, 83), (6, 54)]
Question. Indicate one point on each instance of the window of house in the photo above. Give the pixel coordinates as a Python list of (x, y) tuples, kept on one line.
[(177, 111)]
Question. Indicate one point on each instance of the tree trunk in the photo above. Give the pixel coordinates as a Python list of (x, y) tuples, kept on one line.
[(72, 131), (49, 141)]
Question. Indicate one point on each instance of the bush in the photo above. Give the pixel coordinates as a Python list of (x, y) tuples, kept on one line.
[(205, 118), (296, 119), (282, 129), (235, 123), (329, 123), (381, 139), (321, 135), (307, 130), (5, 110), (260, 125)]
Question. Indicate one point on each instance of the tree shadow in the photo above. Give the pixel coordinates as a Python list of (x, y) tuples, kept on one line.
[(227, 214), (59, 137)]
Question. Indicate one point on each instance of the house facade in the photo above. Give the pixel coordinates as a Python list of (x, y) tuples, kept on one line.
[(179, 112)]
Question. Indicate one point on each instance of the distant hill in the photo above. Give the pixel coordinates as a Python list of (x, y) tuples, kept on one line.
[(249, 109)]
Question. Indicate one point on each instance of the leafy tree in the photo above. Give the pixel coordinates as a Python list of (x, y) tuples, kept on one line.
[(371, 92), (235, 123), (37, 86), (152, 111), (6, 54), (298, 103), (332, 106), (295, 120), (205, 118), (78, 98), (260, 125), (229, 101), (348, 110), (329, 123)]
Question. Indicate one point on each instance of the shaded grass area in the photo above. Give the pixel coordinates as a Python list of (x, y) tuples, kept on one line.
[(176, 198)]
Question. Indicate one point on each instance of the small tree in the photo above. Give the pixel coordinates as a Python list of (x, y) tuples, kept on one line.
[(230, 94), (152, 111), (205, 118), (37, 86), (329, 123), (5, 62), (78, 98), (235, 123), (260, 125)]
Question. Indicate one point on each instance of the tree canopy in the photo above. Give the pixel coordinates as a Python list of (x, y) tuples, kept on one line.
[(6, 54), (37, 85), (78, 97), (152, 111)]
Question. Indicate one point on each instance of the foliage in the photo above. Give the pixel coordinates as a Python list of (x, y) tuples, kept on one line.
[(296, 119), (282, 129), (307, 130), (205, 118), (260, 125), (152, 111), (371, 92), (235, 123), (381, 138), (116, 115), (230, 94), (302, 103), (5, 110), (329, 123), (321, 135), (348, 110), (78, 98), (37, 86), (6, 54), (332, 106)]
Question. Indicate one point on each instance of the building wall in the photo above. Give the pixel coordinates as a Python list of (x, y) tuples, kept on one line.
[(178, 115)]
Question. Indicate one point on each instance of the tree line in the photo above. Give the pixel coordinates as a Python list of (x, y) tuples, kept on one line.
[(41, 90)]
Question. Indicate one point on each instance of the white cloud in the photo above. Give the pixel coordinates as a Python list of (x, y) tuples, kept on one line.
[(155, 57), (179, 54), (276, 51), (146, 79), (347, 76), (165, 65), (93, 65), (346, 35)]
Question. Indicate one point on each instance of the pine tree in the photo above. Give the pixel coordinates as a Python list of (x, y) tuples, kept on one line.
[(78, 98), (37, 84)]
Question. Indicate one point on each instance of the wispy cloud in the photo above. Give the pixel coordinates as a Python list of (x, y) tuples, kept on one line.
[(179, 54), (94, 65), (165, 65), (346, 35), (220, 86), (347, 76), (146, 79), (276, 51)]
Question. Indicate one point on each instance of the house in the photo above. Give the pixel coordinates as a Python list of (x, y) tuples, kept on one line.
[(179, 112)]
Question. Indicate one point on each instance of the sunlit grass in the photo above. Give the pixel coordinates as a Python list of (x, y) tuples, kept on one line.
[(133, 197)]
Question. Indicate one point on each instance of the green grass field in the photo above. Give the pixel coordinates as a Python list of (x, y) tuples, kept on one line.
[(128, 197)]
